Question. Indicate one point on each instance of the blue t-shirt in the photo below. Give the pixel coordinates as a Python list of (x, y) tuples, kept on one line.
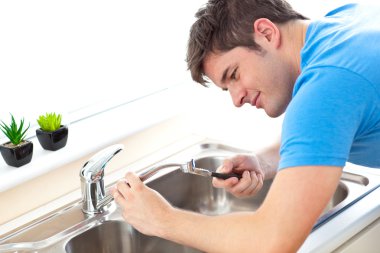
[(334, 114)]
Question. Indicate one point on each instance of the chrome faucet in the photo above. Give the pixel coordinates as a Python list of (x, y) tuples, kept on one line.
[(92, 183)]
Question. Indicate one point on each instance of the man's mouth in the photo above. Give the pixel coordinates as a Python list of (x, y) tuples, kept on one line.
[(254, 101)]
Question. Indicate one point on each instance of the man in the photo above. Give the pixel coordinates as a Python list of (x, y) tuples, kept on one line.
[(323, 73)]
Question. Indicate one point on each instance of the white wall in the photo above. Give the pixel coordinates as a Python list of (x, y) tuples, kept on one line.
[(65, 55), (68, 55)]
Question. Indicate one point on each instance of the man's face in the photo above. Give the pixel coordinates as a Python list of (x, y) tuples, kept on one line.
[(263, 80)]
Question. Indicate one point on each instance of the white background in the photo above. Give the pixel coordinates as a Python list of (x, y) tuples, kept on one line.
[(68, 55), (79, 57)]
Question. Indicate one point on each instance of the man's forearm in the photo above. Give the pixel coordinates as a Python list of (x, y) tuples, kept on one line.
[(235, 232), (268, 228)]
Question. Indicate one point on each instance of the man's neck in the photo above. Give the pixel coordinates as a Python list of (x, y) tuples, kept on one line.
[(293, 38)]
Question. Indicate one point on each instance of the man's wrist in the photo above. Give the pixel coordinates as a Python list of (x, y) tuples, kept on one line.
[(269, 168), (167, 223)]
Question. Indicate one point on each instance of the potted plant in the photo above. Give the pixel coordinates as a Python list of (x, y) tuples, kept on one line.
[(51, 134), (17, 151)]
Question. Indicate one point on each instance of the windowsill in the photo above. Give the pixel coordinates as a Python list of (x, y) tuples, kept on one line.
[(92, 134)]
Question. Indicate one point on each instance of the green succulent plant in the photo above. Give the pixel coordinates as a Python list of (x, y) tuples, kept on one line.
[(16, 134), (49, 122)]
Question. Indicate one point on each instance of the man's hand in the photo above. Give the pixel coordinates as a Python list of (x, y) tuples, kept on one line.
[(252, 176), (143, 208)]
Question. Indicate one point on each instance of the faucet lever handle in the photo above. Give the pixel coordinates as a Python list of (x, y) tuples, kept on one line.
[(93, 169)]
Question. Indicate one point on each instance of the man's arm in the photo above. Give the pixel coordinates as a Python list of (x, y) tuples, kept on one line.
[(295, 201)]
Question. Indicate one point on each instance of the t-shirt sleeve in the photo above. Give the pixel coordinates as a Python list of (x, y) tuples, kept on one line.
[(329, 109)]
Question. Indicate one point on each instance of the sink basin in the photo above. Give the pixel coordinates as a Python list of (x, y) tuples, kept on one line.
[(186, 191), (119, 237), (108, 232), (110, 236)]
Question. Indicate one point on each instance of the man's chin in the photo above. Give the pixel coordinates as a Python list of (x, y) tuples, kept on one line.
[(273, 114)]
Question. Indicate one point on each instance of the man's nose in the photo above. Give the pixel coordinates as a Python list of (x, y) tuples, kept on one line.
[(237, 97)]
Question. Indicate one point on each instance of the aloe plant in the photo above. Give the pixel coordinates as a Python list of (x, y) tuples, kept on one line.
[(16, 134), (49, 122)]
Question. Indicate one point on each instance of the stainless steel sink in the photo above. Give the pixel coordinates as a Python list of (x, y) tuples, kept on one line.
[(107, 232), (110, 236)]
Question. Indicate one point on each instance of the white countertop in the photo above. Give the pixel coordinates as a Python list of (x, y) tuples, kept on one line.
[(344, 226)]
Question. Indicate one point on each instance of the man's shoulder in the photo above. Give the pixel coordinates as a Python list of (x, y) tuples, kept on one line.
[(328, 113), (332, 81), (347, 37)]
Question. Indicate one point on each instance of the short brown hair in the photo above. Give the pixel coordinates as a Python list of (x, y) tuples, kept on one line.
[(225, 24)]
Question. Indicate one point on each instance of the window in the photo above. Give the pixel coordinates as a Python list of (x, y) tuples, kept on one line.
[(82, 57)]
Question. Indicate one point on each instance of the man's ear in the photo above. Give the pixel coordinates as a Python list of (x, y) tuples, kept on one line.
[(265, 31)]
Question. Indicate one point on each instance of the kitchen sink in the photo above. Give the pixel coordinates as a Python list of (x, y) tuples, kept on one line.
[(110, 236), (108, 232)]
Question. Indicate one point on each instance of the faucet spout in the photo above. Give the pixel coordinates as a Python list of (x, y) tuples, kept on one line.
[(92, 183)]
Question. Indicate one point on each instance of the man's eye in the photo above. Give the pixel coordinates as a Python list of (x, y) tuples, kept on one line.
[(233, 75)]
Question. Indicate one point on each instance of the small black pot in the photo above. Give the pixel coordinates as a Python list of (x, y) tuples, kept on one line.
[(53, 140), (19, 155)]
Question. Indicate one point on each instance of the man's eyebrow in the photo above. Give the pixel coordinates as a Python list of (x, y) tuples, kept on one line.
[(224, 76)]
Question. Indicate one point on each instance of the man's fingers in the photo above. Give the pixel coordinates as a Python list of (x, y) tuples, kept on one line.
[(118, 197), (226, 167), (259, 185), (238, 162), (123, 188), (228, 183), (134, 181), (244, 183), (253, 186)]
